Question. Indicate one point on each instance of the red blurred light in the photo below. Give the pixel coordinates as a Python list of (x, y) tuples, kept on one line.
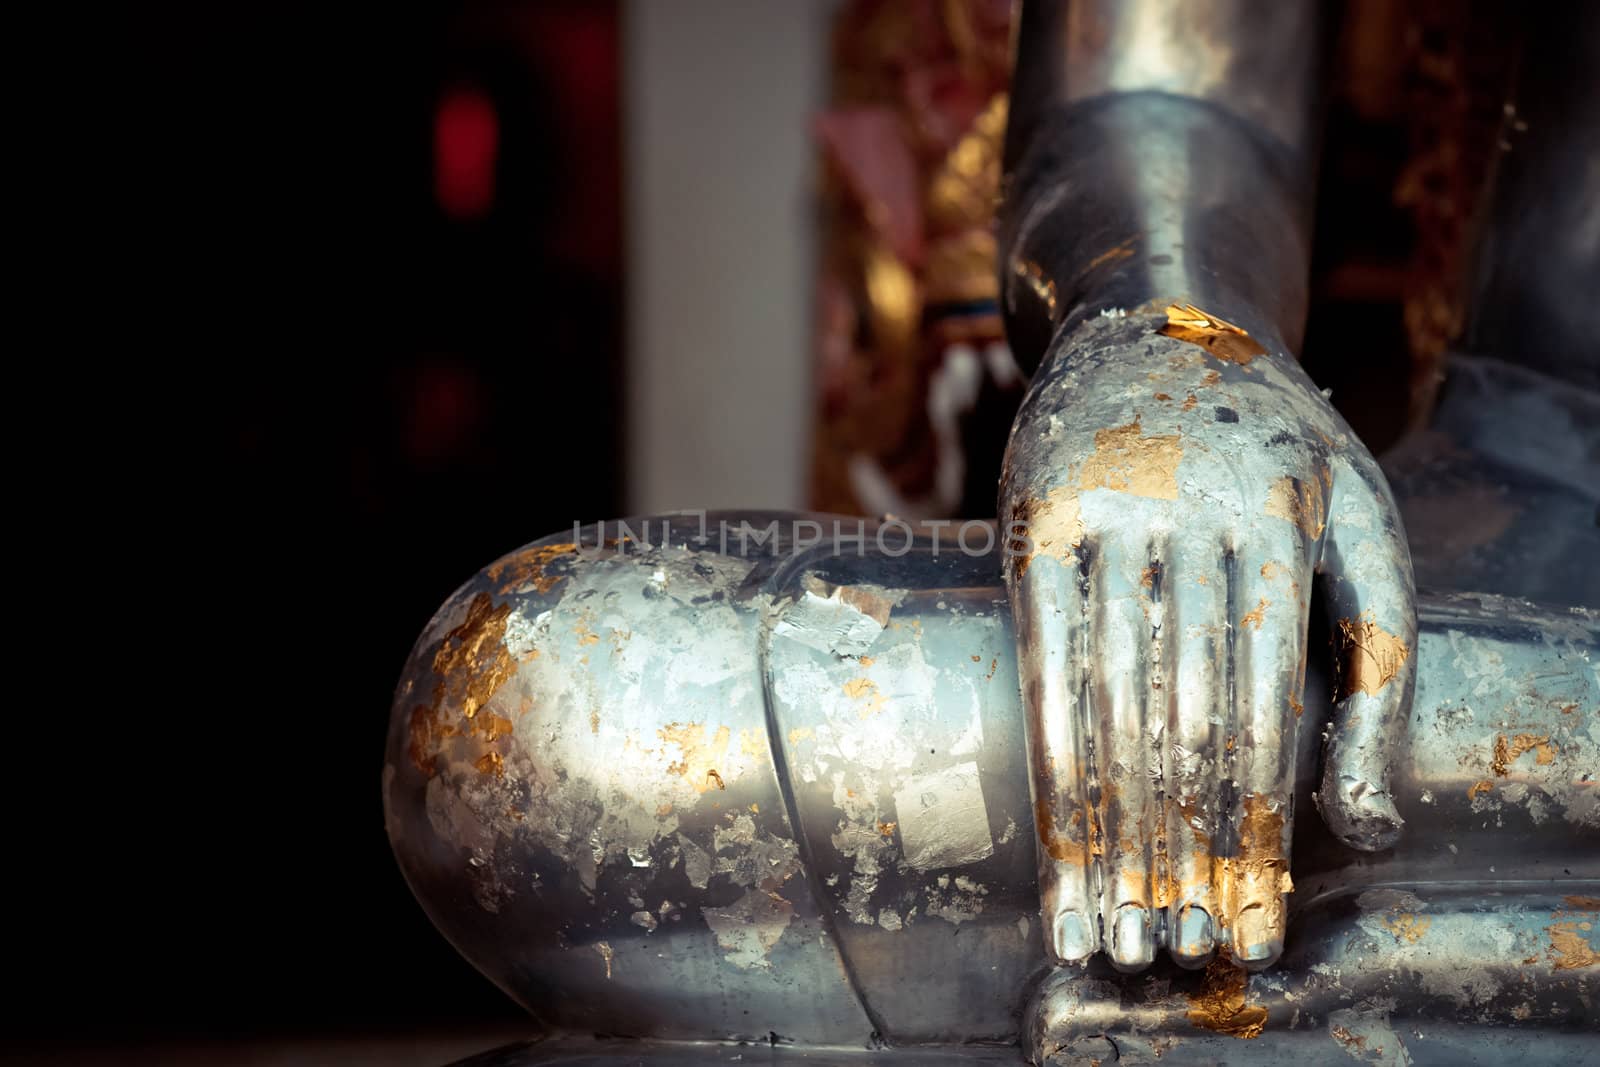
[(466, 145)]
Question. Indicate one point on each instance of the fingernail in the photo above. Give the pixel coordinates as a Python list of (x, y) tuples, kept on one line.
[(1131, 943), (1257, 937), (1196, 939), (1361, 814), (1074, 939), (1379, 807)]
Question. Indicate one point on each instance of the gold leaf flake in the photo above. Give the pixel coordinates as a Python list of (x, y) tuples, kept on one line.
[(1185, 322)]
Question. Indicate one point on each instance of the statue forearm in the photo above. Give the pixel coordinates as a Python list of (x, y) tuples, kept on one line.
[(1159, 149)]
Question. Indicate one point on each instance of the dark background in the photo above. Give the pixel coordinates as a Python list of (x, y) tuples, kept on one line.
[(334, 384)]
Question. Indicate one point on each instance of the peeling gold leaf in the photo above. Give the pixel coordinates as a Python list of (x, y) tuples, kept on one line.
[(1127, 461), (1043, 287), (753, 742), (865, 689), (1569, 949), (1220, 1005), (472, 661), (697, 763), (1507, 752), (1185, 322), (1055, 526), (1113, 254), (1254, 877), (1406, 927), (1371, 657), (526, 567), (1299, 503), (1058, 845)]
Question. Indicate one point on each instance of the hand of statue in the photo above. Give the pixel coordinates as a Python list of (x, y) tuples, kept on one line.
[(1180, 485)]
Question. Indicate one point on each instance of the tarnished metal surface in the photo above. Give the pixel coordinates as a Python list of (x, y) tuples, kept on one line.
[(1180, 483), (581, 790), (1159, 149), (905, 766), (786, 795), (1388, 975), (1175, 526)]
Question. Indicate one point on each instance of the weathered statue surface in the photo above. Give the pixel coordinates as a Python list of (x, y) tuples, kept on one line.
[(1185, 483)]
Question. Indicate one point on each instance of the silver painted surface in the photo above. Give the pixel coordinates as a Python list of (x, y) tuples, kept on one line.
[(1391, 976), (1178, 130), (629, 866), (1164, 603), (1181, 482), (884, 884)]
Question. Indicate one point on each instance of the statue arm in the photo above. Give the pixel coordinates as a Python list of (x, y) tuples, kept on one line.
[(1174, 483)]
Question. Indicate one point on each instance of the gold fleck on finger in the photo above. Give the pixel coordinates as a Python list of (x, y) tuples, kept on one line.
[(1127, 461), (1371, 657), (1300, 503)]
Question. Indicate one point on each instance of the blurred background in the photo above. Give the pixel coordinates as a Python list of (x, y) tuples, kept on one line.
[(400, 288)]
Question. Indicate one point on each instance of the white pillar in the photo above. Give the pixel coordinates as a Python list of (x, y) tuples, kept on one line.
[(719, 178)]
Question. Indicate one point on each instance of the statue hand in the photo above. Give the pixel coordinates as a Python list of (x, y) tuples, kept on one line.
[(1179, 485)]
